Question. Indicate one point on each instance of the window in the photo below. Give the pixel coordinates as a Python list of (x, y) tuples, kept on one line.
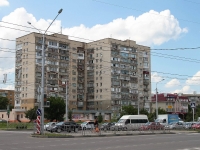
[(96, 84), (74, 84), (100, 78), (74, 96), (97, 60), (100, 84), (21, 115), (2, 116), (96, 78), (100, 90), (100, 96), (97, 91), (96, 72), (26, 75), (74, 60), (96, 55), (73, 79)]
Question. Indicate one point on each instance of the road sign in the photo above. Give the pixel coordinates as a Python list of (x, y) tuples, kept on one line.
[(39, 112), (192, 104)]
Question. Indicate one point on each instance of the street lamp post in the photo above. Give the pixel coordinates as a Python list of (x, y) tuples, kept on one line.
[(42, 78), (157, 98)]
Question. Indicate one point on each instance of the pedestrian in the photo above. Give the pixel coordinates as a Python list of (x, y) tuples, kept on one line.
[(96, 125)]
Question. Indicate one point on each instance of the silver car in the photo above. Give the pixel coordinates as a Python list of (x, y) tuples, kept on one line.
[(49, 126), (176, 125)]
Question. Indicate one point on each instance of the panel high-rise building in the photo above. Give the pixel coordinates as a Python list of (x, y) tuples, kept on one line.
[(100, 75)]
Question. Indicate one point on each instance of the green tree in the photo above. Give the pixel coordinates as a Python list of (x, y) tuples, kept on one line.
[(189, 115), (56, 111), (114, 118), (144, 112), (3, 102), (100, 118), (128, 110), (31, 114), (70, 115)]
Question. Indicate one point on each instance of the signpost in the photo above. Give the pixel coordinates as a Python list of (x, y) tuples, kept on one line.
[(38, 121), (193, 105)]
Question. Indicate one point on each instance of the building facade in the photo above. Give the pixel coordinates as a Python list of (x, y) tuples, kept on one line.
[(9, 94), (171, 103), (100, 75)]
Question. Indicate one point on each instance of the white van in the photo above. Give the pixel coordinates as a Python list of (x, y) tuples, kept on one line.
[(132, 122), (87, 125)]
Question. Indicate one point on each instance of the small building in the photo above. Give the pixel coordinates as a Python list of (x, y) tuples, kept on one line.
[(16, 115), (171, 103)]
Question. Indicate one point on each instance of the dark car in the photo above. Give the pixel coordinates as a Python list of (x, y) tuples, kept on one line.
[(152, 126), (107, 126), (66, 126)]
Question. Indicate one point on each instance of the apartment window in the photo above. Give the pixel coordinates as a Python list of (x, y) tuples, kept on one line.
[(101, 96), (2, 116), (96, 72), (74, 96), (100, 84), (96, 96), (73, 79), (26, 69), (26, 62), (96, 84), (97, 91), (26, 75), (100, 66), (74, 67), (23, 63), (73, 72), (22, 115), (22, 95), (23, 75), (26, 55), (96, 60), (74, 60), (26, 88), (100, 78), (74, 84), (100, 60), (96, 66), (27, 48), (97, 55), (100, 90), (26, 94), (96, 78)]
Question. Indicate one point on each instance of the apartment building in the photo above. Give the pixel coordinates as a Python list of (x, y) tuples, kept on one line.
[(100, 76), (9, 94), (171, 103)]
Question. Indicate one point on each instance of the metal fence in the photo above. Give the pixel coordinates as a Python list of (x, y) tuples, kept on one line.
[(129, 130)]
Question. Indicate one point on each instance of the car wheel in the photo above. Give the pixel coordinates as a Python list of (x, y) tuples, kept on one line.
[(58, 130)]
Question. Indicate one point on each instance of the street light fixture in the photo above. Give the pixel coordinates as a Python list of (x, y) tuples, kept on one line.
[(42, 78), (157, 98)]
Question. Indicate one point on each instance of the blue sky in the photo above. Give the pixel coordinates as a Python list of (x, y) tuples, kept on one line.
[(159, 24)]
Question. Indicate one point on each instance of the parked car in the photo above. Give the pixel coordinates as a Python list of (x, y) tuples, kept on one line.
[(107, 126), (66, 126), (175, 125), (188, 125), (87, 125), (49, 126), (196, 126), (152, 126)]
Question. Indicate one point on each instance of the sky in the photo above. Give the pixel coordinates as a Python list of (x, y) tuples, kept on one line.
[(170, 27)]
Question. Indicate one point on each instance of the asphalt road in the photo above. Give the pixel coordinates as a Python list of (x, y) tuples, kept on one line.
[(15, 140)]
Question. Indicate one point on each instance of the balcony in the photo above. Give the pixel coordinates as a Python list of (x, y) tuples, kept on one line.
[(146, 89), (146, 82)]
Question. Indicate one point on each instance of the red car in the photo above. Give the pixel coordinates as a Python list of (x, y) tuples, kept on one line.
[(152, 126), (196, 126)]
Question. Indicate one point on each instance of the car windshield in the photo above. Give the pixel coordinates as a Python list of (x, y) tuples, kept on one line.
[(104, 123), (148, 123), (84, 123), (59, 123), (121, 120)]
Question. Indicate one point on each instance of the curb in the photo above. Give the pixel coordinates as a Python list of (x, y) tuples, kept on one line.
[(71, 136)]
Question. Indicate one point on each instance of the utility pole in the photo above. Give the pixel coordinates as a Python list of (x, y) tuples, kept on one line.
[(66, 104)]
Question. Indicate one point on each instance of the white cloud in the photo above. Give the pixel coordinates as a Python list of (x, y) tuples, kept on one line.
[(155, 77), (194, 80), (186, 89), (146, 29), (9, 87), (172, 83), (4, 3)]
